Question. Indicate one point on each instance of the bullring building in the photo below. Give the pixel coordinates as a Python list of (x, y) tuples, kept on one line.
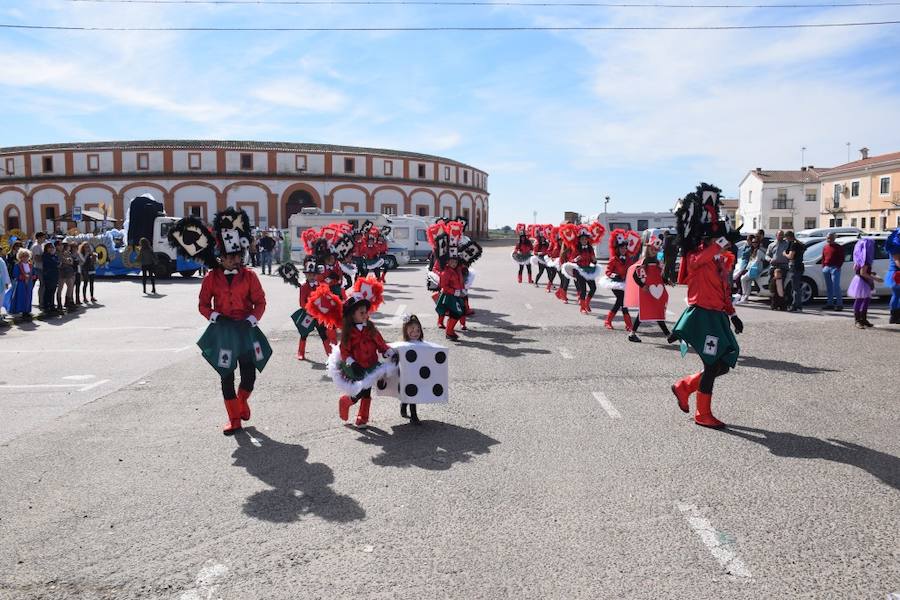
[(39, 185)]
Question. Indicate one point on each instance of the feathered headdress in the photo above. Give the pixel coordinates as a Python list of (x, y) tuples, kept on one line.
[(521, 229), (325, 307), (698, 216), (289, 273), (568, 234), (232, 227), (308, 238), (630, 239), (368, 288), (191, 239)]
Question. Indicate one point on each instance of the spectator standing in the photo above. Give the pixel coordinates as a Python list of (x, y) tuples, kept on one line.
[(754, 266), (5, 284), (279, 247), (51, 278), (778, 268), (88, 270), (796, 268), (832, 261), (18, 299), (12, 256), (266, 246), (67, 270), (148, 261), (79, 261), (37, 261)]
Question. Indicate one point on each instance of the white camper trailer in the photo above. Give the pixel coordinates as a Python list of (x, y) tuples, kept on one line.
[(410, 232), (639, 222), (314, 218)]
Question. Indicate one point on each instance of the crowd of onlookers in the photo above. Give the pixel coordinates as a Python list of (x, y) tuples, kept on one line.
[(264, 248), (58, 274)]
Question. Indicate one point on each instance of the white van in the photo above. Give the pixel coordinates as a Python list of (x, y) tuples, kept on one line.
[(636, 221), (411, 232), (314, 218)]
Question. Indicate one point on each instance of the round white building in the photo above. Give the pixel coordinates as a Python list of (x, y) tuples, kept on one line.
[(270, 180)]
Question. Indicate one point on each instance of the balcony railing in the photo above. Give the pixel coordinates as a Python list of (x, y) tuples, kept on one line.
[(783, 203), (833, 201)]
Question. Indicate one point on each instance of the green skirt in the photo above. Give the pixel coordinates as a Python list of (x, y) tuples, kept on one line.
[(225, 341), (304, 322), (449, 304), (709, 333)]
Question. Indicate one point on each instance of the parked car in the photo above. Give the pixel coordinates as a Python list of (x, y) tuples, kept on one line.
[(822, 232), (396, 256), (814, 281)]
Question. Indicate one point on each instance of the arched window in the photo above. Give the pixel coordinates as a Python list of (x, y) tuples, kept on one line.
[(298, 200), (11, 219)]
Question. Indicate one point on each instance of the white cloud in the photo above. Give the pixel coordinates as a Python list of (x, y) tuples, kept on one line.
[(302, 94)]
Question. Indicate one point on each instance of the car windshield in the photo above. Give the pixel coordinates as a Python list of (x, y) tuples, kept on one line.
[(814, 252)]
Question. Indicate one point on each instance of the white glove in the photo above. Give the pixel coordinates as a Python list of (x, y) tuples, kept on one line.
[(349, 361), (252, 320), (213, 317)]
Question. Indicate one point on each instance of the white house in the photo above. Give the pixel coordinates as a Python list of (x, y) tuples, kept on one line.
[(773, 200), (270, 180)]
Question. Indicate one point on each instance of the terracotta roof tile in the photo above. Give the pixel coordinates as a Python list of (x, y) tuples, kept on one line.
[(859, 164), (807, 176)]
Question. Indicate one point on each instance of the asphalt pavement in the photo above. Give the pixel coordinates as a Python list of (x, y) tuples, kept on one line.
[(561, 468)]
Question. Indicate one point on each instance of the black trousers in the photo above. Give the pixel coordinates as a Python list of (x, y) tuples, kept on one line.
[(710, 372), (322, 331), (541, 269), (248, 377), (87, 280), (662, 326), (563, 281), (528, 266), (49, 293), (145, 272), (551, 274), (586, 287)]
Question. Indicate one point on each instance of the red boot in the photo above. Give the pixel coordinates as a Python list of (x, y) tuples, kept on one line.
[(609, 317), (462, 323), (628, 323), (440, 321), (362, 417), (232, 407), (243, 396), (683, 389), (301, 350), (344, 405), (451, 324), (520, 278), (587, 304), (583, 303), (549, 286), (530, 280), (704, 414)]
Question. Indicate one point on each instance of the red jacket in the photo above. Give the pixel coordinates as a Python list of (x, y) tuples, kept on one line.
[(371, 250), (585, 256), (524, 247), (542, 246), (832, 255), (617, 267), (451, 281), (707, 278), (363, 347), (243, 297), (305, 290)]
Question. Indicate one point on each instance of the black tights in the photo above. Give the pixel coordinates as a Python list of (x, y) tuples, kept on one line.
[(586, 287), (541, 269), (85, 281), (620, 300), (145, 271), (551, 274), (248, 377), (710, 372), (528, 266), (662, 326), (322, 331), (563, 281)]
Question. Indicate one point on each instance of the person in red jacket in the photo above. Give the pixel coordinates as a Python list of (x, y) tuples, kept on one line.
[(360, 345), (233, 293), (541, 247), (704, 325), (585, 258), (522, 255), (305, 291), (552, 258), (616, 271), (450, 301)]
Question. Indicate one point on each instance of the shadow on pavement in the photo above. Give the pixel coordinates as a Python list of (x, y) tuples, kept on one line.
[(504, 344), (431, 445), (767, 363), (885, 467), (494, 319), (298, 487)]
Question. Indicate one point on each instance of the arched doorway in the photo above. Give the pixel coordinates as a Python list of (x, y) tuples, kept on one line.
[(13, 220), (298, 200), (478, 223)]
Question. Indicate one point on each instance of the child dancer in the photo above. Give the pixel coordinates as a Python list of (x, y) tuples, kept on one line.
[(412, 332), (864, 282), (616, 269), (565, 255), (306, 290), (585, 259), (645, 288), (522, 254), (354, 365), (450, 301), (552, 258), (541, 246)]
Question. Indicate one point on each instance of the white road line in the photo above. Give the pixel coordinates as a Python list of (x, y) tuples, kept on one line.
[(607, 405), (80, 350), (91, 386), (398, 316), (29, 386), (719, 544), (183, 348), (78, 377), (566, 354), (207, 582), (127, 327), (528, 306)]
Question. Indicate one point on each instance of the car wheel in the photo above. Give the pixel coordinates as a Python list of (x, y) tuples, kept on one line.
[(188, 274), (390, 262), (163, 268), (810, 290)]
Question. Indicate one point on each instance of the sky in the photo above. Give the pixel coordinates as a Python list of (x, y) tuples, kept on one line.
[(559, 120)]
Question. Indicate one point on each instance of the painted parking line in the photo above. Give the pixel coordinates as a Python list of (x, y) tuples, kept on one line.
[(91, 386), (53, 386), (566, 354), (604, 402), (719, 544)]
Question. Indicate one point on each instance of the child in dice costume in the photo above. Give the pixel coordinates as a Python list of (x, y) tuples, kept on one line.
[(703, 236), (353, 364), (233, 301), (645, 287)]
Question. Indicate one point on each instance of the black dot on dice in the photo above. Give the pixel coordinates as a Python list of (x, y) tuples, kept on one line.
[(424, 372), (411, 390), (411, 356), (440, 357), (382, 384), (437, 390)]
